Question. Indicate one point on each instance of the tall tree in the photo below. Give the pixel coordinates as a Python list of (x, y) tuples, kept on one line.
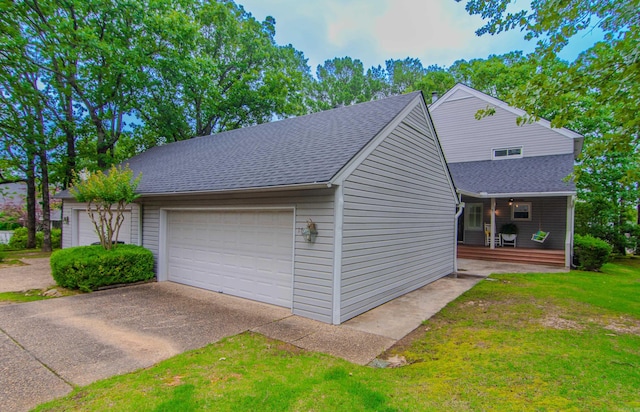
[(341, 81), (222, 70), (403, 75), (94, 54), (437, 80)]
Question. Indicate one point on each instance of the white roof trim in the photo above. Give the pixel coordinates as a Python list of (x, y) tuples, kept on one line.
[(485, 195), (355, 161), (301, 186), (503, 105), (443, 159), (353, 164)]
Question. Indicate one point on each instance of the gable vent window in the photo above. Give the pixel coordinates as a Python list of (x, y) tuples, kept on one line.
[(507, 153)]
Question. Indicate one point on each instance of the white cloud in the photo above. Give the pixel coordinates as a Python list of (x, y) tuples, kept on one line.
[(435, 31)]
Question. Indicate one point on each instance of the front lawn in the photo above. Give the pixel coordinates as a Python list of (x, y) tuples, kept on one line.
[(566, 341)]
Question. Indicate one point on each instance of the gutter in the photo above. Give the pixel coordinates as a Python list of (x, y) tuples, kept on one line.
[(485, 195), (301, 186)]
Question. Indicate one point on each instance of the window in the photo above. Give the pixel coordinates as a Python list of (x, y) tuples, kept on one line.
[(473, 216), (521, 211), (507, 153)]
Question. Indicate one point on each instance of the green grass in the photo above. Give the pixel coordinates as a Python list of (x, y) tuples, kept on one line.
[(28, 296), (567, 341), (34, 294), (25, 254)]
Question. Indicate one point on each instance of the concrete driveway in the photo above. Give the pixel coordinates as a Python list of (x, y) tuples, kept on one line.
[(48, 346), (34, 274)]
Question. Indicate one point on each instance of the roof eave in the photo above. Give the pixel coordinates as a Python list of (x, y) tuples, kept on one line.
[(485, 195), (301, 186)]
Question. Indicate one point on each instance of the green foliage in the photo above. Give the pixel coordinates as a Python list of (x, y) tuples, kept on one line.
[(9, 225), (222, 71), (342, 82), (436, 80), (56, 238), (91, 267), (18, 240), (106, 196), (590, 252), (509, 229), (3, 255)]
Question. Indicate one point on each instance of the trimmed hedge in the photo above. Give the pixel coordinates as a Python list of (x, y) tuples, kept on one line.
[(590, 252), (18, 239), (91, 267)]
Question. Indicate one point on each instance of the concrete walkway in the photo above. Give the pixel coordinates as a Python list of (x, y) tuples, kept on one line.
[(47, 347), (34, 274)]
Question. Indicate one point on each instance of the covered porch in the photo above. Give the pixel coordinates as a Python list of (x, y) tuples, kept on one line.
[(507, 227)]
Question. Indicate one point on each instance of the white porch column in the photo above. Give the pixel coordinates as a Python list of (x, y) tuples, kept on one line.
[(568, 243), (492, 235)]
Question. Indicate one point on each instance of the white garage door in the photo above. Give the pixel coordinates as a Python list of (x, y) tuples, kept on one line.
[(87, 232), (241, 253)]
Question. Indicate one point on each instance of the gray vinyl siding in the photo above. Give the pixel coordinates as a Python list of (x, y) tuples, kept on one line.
[(547, 213), (313, 262), (466, 139), (398, 226), (68, 208)]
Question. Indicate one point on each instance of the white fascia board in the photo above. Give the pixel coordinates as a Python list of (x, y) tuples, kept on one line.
[(303, 186), (443, 160), (484, 195)]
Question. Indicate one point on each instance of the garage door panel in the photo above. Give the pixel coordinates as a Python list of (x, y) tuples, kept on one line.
[(242, 253)]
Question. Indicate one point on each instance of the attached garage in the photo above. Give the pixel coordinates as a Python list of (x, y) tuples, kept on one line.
[(329, 214), (246, 253)]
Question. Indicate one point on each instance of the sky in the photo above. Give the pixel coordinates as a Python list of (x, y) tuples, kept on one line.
[(435, 31)]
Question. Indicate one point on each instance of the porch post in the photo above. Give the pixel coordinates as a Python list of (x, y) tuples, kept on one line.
[(492, 238), (568, 244)]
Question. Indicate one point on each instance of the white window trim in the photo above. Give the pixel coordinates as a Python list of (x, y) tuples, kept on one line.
[(519, 156), (467, 210), (513, 206)]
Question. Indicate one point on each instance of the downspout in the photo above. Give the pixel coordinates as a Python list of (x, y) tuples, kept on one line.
[(455, 237)]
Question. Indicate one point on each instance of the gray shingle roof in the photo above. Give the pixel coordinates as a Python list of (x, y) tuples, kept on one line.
[(302, 150), (541, 174)]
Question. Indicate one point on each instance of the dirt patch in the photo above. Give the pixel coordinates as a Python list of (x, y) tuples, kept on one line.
[(624, 326), (405, 343), (553, 321)]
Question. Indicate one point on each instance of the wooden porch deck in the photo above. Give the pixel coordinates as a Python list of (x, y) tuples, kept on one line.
[(513, 255)]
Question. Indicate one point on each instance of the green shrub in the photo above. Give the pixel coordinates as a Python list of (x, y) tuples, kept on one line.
[(19, 239), (590, 252), (9, 225), (56, 238), (3, 255), (90, 267)]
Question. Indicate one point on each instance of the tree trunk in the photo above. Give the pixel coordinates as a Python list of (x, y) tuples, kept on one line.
[(44, 181), (46, 207), (31, 201)]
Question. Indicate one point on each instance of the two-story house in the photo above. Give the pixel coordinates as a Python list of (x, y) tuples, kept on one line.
[(508, 174)]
